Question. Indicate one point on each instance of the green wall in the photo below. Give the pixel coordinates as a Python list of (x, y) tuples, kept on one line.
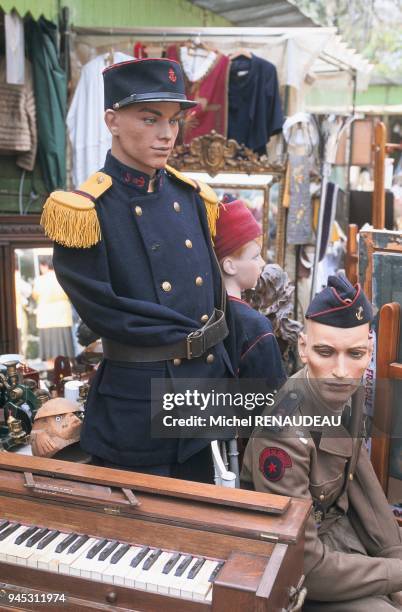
[(93, 13), (120, 13), (380, 95)]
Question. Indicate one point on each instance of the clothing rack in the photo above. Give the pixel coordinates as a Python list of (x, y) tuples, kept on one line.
[(240, 36)]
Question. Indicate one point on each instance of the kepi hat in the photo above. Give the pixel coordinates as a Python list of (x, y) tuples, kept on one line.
[(144, 80)]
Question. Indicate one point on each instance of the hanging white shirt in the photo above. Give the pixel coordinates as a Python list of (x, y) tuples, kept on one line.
[(15, 47), (89, 136)]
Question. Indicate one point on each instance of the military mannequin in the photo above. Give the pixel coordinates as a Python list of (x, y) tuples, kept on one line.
[(133, 251), (353, 546), (238, 244)]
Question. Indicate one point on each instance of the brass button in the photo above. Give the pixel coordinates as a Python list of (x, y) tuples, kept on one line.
[(176, 362), (322, 497), (166, 286), (100, 179), (204, 318), (176, 206), (210, 358), (138, 211), (189, 244), (350, 476), (199, 281)]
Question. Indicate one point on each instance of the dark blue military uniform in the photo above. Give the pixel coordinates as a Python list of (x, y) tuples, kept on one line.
[(150, 281), (258, 354)]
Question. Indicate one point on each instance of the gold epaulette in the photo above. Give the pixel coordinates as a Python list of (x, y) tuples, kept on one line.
[(69, 217), (206, 192)]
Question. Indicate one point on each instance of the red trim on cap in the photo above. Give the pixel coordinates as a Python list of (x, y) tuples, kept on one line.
[(135, 61), (346, 305)]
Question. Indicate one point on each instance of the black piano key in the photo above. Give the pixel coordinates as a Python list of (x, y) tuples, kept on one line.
[(215, 572), (27, 533), (77, 544), (97, 547), (120, 553), (170, 563), (139, 556), (3, 524), (148, 563), (36, 537), (47, 539), (6, 532), (196, 568), (66, 542), (183, 565), (108, 550)]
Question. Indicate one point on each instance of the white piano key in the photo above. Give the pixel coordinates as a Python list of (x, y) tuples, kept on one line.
[(179, 583), (155, 572), (97, 567), (8, 542), (42, 558), (86, 564), (17, 553), (67, 558), (115, 569), (166, 580), (130, 577), (80, 562), (201, 584), (25, 553), (123, 567), (188, 584)]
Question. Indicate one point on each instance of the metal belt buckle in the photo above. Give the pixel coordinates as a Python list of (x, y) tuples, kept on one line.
[(195, 344)]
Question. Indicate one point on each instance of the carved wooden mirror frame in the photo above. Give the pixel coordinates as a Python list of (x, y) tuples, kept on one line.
[(16, 231), (214, 154)]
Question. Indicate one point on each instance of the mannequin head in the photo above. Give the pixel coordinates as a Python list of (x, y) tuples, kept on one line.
[(238, 243), (336, 345)]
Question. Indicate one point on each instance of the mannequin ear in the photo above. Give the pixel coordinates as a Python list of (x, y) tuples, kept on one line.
[(302, 346), (112, 121), (228, 266)]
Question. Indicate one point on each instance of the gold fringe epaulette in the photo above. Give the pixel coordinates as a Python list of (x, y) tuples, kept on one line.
[(69, 217), (209, 196)]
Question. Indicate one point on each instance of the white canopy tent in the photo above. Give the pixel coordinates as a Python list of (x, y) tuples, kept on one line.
[(302, 56)]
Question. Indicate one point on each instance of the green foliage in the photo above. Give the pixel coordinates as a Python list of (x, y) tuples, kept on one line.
[(373, 27)]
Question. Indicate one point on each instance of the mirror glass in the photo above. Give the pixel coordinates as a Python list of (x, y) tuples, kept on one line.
[(45, 317), (260, 195)]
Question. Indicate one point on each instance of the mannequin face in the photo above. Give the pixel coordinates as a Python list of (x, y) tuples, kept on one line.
[(336, 358), (143, 134), (63, 425), (245, 269)]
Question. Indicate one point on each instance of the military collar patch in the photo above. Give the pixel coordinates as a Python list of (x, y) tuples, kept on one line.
[(273, 462), (130, 176)]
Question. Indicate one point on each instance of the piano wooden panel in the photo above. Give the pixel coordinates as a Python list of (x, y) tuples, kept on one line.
[(260, 544)]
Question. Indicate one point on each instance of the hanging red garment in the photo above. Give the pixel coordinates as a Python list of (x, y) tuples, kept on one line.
[(211, 91)]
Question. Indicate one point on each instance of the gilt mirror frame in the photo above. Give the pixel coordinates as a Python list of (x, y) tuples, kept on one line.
[(16, 232), (214, 154)]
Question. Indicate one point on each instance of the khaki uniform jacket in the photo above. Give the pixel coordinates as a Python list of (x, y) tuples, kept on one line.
[(372, 564)]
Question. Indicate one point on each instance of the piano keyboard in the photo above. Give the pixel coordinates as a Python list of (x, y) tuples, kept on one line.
[(137, 566)]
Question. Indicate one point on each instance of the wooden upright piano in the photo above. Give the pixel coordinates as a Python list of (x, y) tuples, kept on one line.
[(107, 539)]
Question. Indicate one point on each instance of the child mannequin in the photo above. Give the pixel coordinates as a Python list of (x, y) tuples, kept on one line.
[(238, 244)]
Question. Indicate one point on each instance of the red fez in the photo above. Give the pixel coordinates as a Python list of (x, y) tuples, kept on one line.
[(235, 227)]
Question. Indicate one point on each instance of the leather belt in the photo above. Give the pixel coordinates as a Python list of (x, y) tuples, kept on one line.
[(191, 347)]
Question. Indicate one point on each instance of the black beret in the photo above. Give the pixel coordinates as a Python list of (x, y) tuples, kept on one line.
[(144, 80), (340, 304)]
